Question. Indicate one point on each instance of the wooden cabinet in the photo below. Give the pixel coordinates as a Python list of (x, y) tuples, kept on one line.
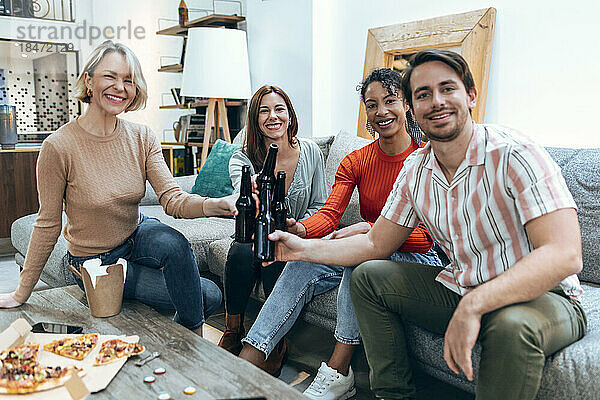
[(18, 186)]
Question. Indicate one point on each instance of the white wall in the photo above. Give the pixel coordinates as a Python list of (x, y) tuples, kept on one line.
[(280, 52), (541, 80)]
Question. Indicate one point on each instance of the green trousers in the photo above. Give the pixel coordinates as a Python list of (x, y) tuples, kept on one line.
[(515, 339)]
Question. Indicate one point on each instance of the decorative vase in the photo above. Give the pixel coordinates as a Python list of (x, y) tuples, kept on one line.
[(183, 13)]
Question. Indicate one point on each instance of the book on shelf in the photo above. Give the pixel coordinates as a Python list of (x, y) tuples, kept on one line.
[(189, 128), (176, 95)]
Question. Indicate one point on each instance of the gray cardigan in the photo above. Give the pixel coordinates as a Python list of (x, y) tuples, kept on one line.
[(307, 192)]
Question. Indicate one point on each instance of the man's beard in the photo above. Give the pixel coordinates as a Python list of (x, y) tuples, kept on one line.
[(448, 137)]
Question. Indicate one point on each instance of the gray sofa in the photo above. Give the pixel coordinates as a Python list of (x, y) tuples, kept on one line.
[(572, 373)]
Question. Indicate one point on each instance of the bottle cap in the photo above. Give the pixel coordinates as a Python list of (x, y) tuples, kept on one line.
[(189, 390)]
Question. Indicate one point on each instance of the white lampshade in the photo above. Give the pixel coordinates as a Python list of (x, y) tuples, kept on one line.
[(216, 64)]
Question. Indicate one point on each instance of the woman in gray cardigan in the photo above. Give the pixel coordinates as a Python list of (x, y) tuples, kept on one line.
[(271, 119)]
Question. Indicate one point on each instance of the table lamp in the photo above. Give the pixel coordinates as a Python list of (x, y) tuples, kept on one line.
[(216, 67)]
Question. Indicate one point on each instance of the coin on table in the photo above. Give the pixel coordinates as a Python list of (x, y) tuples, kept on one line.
[(159, 371), (189, 390), (149, 379), (164, 396)]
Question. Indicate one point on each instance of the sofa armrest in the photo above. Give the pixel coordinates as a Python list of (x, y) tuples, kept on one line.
[(151, 199)]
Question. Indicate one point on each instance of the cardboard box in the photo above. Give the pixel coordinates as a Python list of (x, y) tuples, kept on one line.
[(96, 378)]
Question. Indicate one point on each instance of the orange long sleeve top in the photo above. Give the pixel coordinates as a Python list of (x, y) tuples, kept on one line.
[(374, 173)]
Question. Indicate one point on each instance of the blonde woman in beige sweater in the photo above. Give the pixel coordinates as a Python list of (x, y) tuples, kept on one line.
[(97, 165)]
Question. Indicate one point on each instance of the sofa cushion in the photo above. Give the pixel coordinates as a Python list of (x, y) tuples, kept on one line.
[(574, 369), (322, 310), (200, 231), (343, 144), (324, 143), (213, 179), (55, 272), (217, 255), (150, 198), (581, 169)]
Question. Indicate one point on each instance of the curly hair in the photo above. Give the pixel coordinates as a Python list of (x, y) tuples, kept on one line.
[(391, 80)]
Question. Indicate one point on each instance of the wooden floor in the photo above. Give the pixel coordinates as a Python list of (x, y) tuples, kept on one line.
[(305, 351)]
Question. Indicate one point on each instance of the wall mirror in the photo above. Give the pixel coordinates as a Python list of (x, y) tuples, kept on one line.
[(471, 34)]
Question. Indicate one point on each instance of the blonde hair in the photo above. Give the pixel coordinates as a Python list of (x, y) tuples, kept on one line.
[(135, 69)]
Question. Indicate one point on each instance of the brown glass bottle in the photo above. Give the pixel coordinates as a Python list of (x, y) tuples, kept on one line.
[(279, 208), (264, 249), (267, 175), (246, 206)]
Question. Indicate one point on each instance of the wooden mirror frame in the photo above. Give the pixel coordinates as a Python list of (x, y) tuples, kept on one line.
[(472, 32)]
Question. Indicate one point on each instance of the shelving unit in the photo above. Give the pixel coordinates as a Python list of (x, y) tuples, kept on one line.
[(204, 103), (171, 68), (236, 109), (214, 20)]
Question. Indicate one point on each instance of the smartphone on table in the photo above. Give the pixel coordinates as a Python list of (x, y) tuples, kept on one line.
[(52, 327)]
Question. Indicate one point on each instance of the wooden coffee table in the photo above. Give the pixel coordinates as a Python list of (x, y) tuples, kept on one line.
[(188, 359)]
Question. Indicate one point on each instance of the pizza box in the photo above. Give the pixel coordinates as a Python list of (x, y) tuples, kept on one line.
[(96, 378)]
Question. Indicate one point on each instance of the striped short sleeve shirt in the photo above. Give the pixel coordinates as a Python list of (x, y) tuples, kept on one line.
[(479, 218)]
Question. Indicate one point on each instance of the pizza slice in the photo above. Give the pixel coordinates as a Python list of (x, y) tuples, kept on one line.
[(23, 354), (114, 349), (21, 373), (74, 347), (33, 377)]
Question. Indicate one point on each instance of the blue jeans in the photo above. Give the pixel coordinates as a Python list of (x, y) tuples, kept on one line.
[(298, 284), (162, 273)]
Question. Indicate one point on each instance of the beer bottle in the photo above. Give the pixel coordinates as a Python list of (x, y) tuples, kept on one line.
[(267, 175), (246, 206), (279, 207), (264, 249)]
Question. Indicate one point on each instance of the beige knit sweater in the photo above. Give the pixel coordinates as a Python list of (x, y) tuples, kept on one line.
[(101, 181)]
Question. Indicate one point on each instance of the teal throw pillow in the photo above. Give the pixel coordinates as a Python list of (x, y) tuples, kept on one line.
[(213, 179)]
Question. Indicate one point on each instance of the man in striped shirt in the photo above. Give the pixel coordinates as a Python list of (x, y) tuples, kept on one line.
[(498, 205)]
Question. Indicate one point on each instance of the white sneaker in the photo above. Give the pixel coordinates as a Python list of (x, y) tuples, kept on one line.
[(331, 385)]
